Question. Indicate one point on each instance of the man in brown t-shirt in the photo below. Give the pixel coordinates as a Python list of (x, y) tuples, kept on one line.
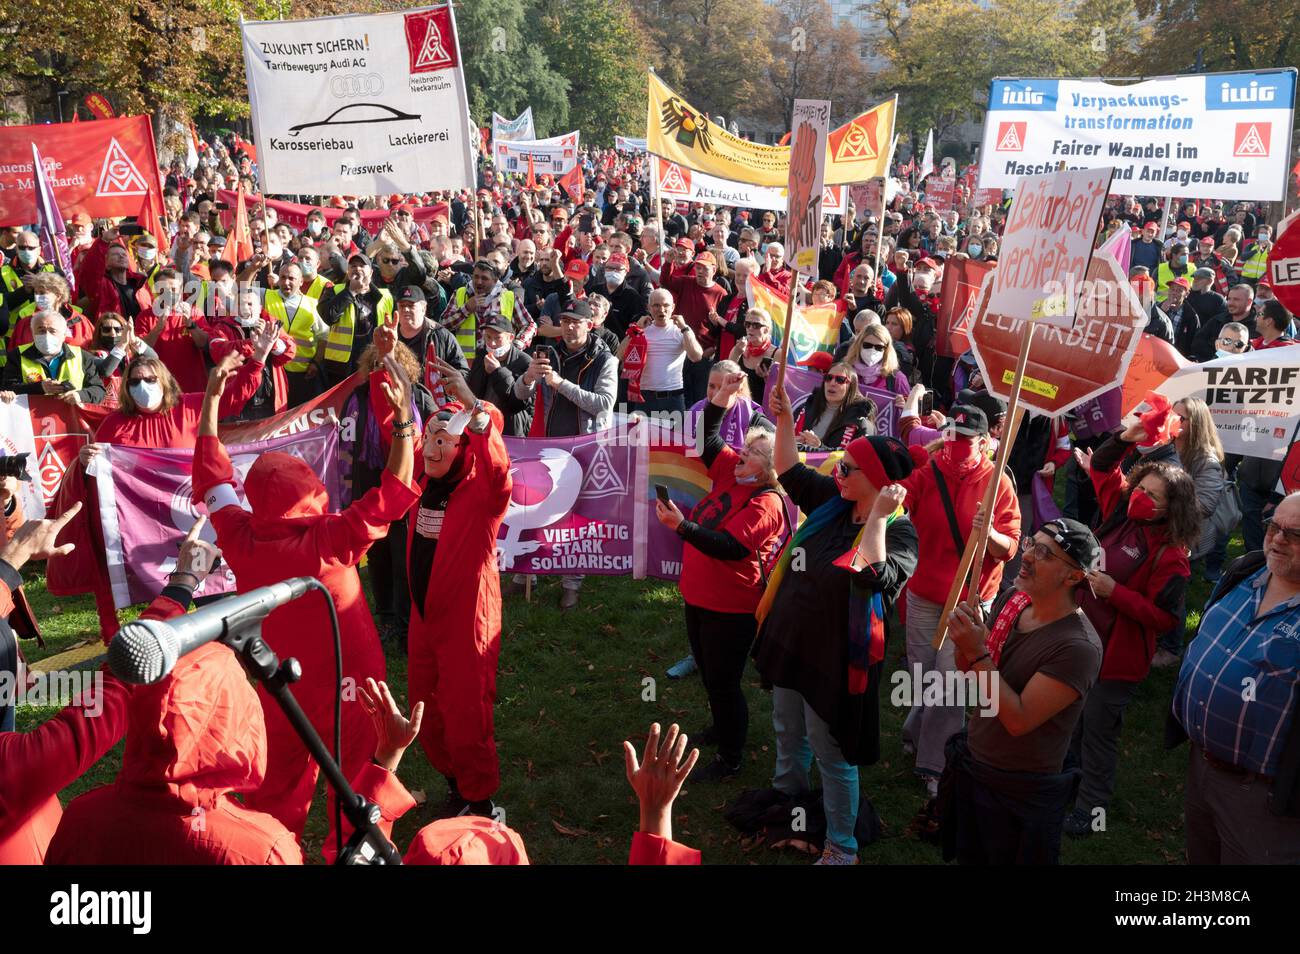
[(1037, 661)]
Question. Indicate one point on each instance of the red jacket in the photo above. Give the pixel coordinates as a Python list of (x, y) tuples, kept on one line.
[(226, 335), (1131, 642), (193, 740), (938, 551), (81, 330), (36, 766), (94, 284)]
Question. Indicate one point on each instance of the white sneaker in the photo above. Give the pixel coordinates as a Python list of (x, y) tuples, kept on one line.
[(833, 854)]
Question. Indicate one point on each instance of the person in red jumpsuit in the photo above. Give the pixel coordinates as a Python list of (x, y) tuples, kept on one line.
[(455, 635), (288, 533), (152, 412), (194, 740), (36, 766)]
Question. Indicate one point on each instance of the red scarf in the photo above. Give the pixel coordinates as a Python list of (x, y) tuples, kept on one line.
[(1011, 611), (634, 362), (756, 351)]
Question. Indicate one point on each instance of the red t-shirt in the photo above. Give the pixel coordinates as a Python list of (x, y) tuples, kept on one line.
[(694, 302), (731, 586)]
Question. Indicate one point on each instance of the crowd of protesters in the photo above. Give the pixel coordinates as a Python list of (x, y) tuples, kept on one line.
[(521, 310)]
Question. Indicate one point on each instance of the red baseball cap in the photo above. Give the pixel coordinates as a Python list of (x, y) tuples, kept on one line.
[(579, 269), (617, 259), (818, 361), (684, 242), (1180, 282), (80, 218), (706, 258)]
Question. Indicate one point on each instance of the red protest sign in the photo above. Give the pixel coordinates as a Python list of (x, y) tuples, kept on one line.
[(982, 197), (98, 105), (1284, 264), (1291, 465), (939, 193), (104, 168), (1067, 366), (959, 300)]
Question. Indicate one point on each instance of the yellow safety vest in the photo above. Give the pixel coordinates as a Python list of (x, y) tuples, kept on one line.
[(10, 275), (1253, 268), (13, 282), (299, 329), (72, 369), (1166, 274), (338, 346), (316, 288), (467, 333)]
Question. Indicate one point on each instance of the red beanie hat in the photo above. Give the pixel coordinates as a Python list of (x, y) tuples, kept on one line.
[(883, 460)]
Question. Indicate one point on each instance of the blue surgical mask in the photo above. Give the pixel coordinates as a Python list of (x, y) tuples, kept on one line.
[(28, 256), (974, 250), (308, 269), (1220, 353)]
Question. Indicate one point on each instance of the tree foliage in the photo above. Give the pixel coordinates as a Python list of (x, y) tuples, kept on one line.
[(506, 68), (813, 59), (599, 46)]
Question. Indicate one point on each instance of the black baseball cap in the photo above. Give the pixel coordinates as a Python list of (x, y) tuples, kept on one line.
[(411, 293), (578, 309), (967, 420), (1075, 539), (994, 407), (217, 241), (497, 323), (363, 259)]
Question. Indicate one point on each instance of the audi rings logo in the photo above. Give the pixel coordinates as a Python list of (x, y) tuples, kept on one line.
[(346, 86)]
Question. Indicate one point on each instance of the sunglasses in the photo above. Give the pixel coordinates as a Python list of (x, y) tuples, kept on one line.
[(144, 380), (837, 378), (1230, 343), (873, 347), (844, 468), (1290, 534), (392, 261), (755, 324)]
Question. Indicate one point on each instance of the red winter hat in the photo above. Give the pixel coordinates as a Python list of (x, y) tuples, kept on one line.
[(280, 486), (1161, 425), (884, 460), (617, 259)]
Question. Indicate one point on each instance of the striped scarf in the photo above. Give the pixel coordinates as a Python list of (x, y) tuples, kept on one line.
[(866, 611)]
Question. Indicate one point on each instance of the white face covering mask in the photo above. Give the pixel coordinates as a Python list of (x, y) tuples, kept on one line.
[(146, 394), (502, 351), (48, 344), (146, 255), (314, 226), (614, 279), (923, 282), (871, 357), (43, 301)]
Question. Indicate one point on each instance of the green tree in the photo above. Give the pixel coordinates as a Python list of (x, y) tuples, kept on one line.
[(506, 68), (713, 52), (600, 47)]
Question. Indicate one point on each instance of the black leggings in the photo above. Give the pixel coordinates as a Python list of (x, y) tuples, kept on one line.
[(720, 643), (387, 562)]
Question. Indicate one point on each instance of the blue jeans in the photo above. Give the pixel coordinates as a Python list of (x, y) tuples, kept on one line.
[(801, 733)]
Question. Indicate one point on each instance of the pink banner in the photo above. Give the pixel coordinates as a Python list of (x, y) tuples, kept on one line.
[(800, 382), (146, 507)]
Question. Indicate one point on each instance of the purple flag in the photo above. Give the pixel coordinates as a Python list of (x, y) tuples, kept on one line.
[(49, 221)]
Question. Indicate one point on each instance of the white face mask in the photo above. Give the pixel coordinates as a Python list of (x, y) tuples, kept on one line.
[(502, 351), (314, 226), (43, 301), (48, 344), (146, 394), (146, 255), (613, 278), (923, 282), (871, 357)]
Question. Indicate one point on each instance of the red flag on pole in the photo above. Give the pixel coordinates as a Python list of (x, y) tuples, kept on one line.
[(241, 237), (573, 183), (531, 181), (98, 106)]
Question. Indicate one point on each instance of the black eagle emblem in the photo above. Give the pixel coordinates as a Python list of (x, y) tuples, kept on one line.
[(688, 127)]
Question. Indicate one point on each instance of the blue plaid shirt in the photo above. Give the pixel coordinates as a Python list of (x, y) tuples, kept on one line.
[(1235, 694)]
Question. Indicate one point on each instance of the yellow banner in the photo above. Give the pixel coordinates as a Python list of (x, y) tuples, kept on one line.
[(677, 131)]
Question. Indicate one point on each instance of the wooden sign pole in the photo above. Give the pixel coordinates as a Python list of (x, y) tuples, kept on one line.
[(978, 542), (789, 328)]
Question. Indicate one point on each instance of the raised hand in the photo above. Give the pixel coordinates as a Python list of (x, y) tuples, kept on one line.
[(397, 389), (394, 732), (657, 778), (35, 539)]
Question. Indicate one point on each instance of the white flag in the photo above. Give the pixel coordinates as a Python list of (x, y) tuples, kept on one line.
[(927, 164)]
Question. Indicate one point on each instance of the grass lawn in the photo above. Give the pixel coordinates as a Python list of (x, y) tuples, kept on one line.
[(570, 691)]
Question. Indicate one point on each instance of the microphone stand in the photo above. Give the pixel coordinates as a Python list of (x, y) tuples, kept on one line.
[(367, 846)]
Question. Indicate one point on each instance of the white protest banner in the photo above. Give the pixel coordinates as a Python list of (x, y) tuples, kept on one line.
[(1254, 398), (18, 437), (811, 122), (513, 130), (686, 185), (363, 105), (555, 156), (629, 144), (1226, 135), (1047, 244)]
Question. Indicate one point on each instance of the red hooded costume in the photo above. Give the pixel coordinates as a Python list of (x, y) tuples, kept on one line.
[(193, 740), (290, 533), (455, 635)]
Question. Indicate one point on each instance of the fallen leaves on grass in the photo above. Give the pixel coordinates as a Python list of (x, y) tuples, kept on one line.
[(569, 832)]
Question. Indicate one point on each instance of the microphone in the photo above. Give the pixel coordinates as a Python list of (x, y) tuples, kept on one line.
[(146, 650)]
